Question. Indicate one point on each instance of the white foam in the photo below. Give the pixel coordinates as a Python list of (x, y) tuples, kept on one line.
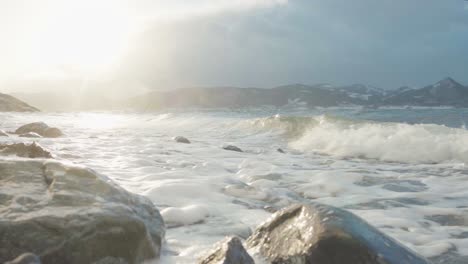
[(187, 215), (393, 142)]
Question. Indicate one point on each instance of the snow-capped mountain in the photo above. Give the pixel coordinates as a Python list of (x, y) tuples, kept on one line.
[(445, 92)]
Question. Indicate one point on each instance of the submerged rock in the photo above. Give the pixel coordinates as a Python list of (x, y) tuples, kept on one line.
[(320, 234), (30, 135), (280, 150), (3, 134), (26, 151), (26, 258), (40, 128), (182, 140), (229, 251), (69, 214), (232, 148)]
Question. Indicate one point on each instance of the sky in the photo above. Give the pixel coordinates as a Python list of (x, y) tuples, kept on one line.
[(156, 44)]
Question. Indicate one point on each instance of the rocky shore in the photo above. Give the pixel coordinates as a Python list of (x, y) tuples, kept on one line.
[(55, 212)]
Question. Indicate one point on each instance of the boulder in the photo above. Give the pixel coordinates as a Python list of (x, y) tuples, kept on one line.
[(229, 251), (182, 140), (40, 128), (30, 135), (320, 234), (70, 214), (26, 151), (3, 134), (26, 258), (232, 148)]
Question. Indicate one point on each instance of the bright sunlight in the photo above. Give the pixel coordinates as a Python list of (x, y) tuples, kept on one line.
[(87, 36)]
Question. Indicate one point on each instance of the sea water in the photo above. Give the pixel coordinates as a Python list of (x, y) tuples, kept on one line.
[(403, 170)]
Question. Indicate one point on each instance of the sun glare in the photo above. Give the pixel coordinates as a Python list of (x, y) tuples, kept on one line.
[(89, 36)]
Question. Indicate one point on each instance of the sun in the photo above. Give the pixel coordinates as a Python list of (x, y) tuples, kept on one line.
[(90, 36)]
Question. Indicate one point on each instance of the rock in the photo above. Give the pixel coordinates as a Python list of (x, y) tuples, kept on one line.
[(52, 132), (182, 140), (40, 128), (26, 258), (26, 151), (229, 251), (280, 150), (30, 135), (9, 103), (3, 134), (232, 148), (70, 214), (320, 234)]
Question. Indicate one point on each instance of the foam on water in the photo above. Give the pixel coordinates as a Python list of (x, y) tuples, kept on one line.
[(408, 180)]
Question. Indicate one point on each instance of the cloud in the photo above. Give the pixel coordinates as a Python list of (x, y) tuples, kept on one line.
[(388, 43)]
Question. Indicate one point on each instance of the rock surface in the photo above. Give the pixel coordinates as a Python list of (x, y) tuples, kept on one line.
[(232, 148), (30, 135), (9, 103), (26, 151), (182, 140), (69, 214), (26, 258), (40, 128), (229, 251), (320, 234)]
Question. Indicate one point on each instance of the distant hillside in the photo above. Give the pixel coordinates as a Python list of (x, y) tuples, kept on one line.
[(244, 97), (9, 103), (446, 92)]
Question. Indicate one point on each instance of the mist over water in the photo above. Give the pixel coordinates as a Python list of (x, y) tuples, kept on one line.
[(403, 170)]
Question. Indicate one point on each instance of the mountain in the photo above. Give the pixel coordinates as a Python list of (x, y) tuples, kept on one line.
[(446, 92), (9, 103), (245, 97)]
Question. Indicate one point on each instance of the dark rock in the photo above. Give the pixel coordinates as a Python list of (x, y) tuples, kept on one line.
[(40, 128), (280, 150), (320, 234), (182, 140), (232, 148), (30, 135), (3, 134), (26, 151), (26, 258), (229, 251), (68, 214)]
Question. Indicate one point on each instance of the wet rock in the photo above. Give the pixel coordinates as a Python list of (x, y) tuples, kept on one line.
[(229, 251), (3, 134), (280, 150), (232, 148), (30, 135), (320, 234), (26, 258), (52, 132), (70, 214), (182, 140), (33, 150), (40, 128)]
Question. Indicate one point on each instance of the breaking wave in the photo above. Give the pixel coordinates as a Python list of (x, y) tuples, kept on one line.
[(391, 142)]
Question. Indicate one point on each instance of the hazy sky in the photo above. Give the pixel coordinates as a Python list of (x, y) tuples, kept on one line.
[(174, 43)]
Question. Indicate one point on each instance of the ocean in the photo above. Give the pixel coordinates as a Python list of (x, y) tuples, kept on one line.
[(404, 170)]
